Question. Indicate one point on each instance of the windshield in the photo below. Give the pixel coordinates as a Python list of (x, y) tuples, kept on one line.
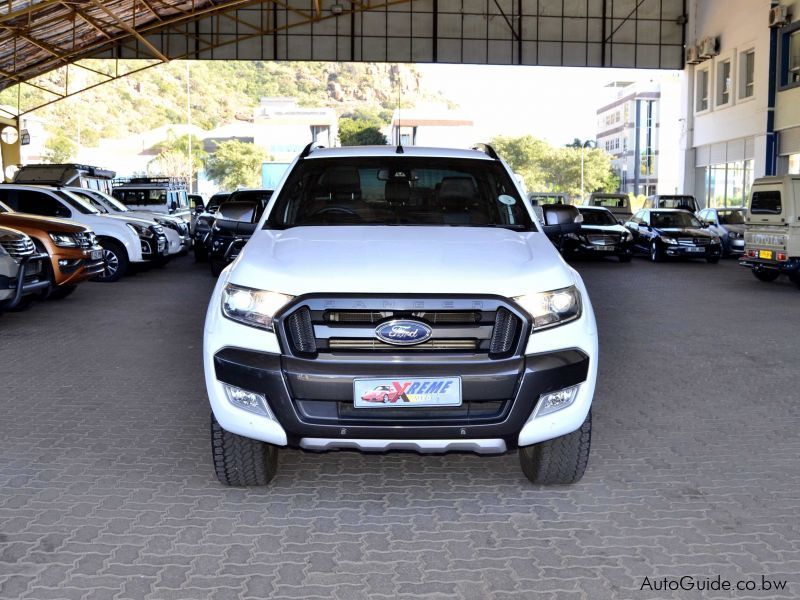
[(609, 201), (91, 200), (152, 197), (597, 217), (109, 202), (400, 191), (686, 202), (216, 200), (540, 199), (80, 204), (731, 217), (676, 219)]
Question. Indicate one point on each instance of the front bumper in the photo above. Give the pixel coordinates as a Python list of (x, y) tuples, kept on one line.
[(588, 249), (676, 250), (75, 267), (33, 276), (155, 247), (313, 399)]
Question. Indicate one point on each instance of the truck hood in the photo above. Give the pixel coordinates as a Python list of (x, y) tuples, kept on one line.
[(400, 260), (44, 223)]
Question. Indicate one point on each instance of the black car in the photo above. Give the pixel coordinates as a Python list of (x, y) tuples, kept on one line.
[(600, 235), (204, 219), (668, 232), (235, 222)]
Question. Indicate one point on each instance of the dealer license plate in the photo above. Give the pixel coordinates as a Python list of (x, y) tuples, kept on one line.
[(766, 254), (407, 392), (96, 254)]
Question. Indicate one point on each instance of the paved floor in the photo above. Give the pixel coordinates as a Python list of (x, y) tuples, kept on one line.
[(107, 491)]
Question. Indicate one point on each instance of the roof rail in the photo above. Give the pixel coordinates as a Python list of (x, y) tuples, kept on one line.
[(310, 148), (487, 149)]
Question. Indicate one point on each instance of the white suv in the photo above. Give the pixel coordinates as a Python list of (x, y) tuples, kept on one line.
[(400, 299), (124, 240)]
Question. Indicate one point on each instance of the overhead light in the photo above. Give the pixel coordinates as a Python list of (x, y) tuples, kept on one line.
[(337, 9)]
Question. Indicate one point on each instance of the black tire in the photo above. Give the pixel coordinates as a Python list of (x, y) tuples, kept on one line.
[(116, 258), (386, 398), (61, 292), (561, 460), (200, 253), (625, 258), (656, 252), (161, 261), (795, 278), (712, 260), (765, 274), (241, 461), (216, 267)]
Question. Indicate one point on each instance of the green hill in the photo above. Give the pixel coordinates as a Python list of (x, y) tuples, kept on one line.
[(220, 90)]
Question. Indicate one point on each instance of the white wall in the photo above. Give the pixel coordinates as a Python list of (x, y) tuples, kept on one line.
[(740, 25)]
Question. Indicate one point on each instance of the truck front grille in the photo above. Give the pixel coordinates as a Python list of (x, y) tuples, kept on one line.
[(18, 248), (488, 326)]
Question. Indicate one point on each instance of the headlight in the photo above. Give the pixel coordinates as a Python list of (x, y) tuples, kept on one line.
[(64, 240), (252, 307), (714, 241), (140, 230), (549, 309), (668, 240)]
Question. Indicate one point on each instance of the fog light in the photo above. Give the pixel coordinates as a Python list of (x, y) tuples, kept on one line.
[(63, 262), (249, 401), (554, 401)]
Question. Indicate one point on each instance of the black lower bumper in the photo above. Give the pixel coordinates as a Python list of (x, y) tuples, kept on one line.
[(787, 267), (314, 398), (25, 283), (686, 251)]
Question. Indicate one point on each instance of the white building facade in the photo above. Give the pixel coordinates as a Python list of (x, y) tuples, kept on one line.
[(741, 100), (640, 130)]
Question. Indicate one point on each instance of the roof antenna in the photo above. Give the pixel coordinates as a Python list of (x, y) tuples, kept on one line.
[(399, 120)]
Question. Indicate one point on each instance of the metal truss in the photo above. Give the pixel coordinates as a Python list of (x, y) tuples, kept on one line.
[(43, 43)]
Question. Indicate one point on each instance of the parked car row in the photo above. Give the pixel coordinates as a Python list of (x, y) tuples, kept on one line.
[(54, 237), (228, 222)]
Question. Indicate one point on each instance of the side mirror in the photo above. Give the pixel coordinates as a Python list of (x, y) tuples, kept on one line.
[(560, 220)]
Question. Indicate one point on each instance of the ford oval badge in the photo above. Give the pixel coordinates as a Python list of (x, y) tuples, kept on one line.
[(403, 333)]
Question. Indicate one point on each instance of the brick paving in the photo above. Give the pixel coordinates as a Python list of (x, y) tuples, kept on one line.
[(107, 490)]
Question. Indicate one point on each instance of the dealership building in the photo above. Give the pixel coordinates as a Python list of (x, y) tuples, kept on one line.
[(741, 97)]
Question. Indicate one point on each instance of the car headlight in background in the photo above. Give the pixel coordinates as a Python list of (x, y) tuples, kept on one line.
[(256, 308), (64, 240), (141, 230), (549, 309), (668, 240), (715, 241)]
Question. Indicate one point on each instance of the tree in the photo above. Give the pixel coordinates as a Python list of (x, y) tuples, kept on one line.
[(360, 132), (236, 164), (525, 155), (59, 148), (173, 158), (549, 169)]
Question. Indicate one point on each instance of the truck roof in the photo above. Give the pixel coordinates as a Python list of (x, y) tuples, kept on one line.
[(386, 151)]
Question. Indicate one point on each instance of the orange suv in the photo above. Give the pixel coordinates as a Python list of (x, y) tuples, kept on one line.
[(73, 250)]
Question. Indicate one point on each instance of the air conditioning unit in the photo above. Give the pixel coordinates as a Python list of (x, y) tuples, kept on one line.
[(779, 16), (709, 47), (691, 56)]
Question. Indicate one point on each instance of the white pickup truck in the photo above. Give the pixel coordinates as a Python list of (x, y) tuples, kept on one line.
[(400, 299)]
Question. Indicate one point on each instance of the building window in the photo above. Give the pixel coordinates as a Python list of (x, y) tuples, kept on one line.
[(728, 184), (724, 83), (747, 74), (793, 76), (794, 164), (647, 140), (701, 88)]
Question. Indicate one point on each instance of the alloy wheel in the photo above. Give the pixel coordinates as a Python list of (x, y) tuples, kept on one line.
[(112, 263)]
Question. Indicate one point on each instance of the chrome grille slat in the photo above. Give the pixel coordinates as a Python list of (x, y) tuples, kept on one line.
[(18, 248), (375, 317), (362, 344)]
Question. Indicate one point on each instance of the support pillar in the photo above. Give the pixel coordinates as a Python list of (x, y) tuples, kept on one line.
[(10, 152)]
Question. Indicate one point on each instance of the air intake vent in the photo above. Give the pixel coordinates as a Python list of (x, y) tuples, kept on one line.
[(505, 329), (301, 332)]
